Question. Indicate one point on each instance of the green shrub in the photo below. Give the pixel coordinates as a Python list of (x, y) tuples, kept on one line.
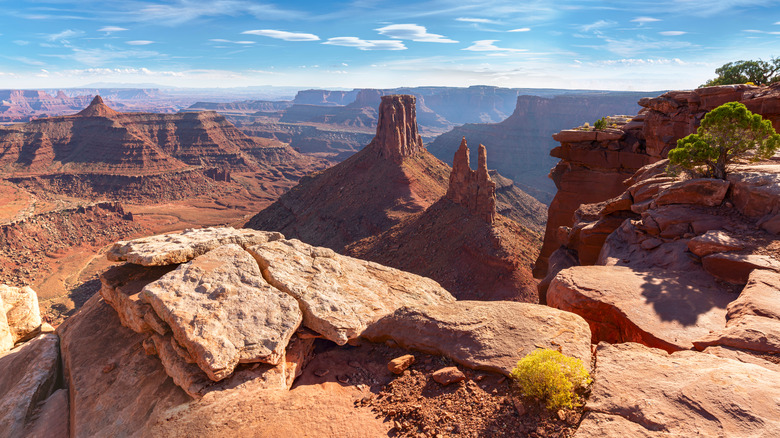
[(551, 376), (727, 133), (600, 124)]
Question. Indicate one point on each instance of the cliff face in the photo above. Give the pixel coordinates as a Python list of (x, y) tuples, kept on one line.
[(100, 139), (520, 145), (594, 164)]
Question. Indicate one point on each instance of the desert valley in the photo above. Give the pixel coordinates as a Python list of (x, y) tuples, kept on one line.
[(388, 261)]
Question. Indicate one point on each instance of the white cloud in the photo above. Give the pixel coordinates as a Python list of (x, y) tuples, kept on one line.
[(111, 29), (366, 44), (476, 20), (597, 26), (183, 11), (488, 46), (21, 42), (283, 35), (220, 40), (522, 29), (644, 20), (139, 42), (65, 35), (761, 31), (412, 32), (672, 33)]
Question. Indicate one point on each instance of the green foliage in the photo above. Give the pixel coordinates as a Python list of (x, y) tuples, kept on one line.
[(727, 133), (600, 124), (551, 376), (742, 72)]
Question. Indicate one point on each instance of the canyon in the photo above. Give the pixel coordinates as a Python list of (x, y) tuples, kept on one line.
[(388, 294)]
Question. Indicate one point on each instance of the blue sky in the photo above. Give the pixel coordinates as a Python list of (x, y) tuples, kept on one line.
[(620, 45)]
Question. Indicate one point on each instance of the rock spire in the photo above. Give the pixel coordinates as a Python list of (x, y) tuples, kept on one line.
[(396, 130), (473, 189)]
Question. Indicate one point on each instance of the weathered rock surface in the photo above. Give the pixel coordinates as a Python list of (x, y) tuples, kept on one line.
[(736, 268), (714, 241), (661, 309), (746, 333), (490, 336), (741, 356), (23, 316), (223, 312), (28, 375), (181, 247), (51, 419), (121, 288), (340, 296), (6, 338), (396, 129), (472, 189), (760, 297), (128, 398), (700, 191), (684, 394)]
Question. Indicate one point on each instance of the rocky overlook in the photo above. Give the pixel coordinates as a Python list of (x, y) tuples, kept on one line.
[(594, 164)]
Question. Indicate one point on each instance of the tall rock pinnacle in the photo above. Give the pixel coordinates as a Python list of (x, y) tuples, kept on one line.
[(475, 190), (396, 130)]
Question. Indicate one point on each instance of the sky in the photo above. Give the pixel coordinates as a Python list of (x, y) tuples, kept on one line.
[(607, 45)]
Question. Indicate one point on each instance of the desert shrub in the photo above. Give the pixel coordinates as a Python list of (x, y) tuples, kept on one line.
[(552, 377), (727, 133), (600, 124)]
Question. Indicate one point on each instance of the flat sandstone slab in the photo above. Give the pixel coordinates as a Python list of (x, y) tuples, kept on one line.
[(683, 394), (487, 335), (222, 311), (340, 296), (181, 247), (661, 309)]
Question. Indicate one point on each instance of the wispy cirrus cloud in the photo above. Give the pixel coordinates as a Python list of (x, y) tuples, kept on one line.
[(366, 44), (597, 26), (183, 11), (644, 20), (112, 29), (220, 40), (672, 33), (761, 31), (489, 46), (521, 29), (139, 42), (65, 35), (476, 20), (283, 35), (412, 32)]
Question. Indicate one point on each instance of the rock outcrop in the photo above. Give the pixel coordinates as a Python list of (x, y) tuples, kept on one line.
[(490, 336), (396, 129), (29, 374), (594, 164), (472, 189), (644, 392), (20, 316)]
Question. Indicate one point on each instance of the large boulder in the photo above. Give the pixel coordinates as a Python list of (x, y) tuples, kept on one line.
[(747, 332), (714, 241), (699, 191), (23, 316), (491, 335), (183, 246), (340, 296), (28, 375), (684, 394), (760, 297), (736, 268), (121, 287), (222, 311), (667, 310)]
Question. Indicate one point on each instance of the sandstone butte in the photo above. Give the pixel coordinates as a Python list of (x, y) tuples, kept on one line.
[(675, 281), (396, 204)]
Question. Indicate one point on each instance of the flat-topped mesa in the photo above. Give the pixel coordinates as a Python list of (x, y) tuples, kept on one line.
[(396, 130), (475, 190), (97, 109)]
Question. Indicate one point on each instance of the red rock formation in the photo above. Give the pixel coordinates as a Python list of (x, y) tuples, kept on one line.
[(97, 109), (472, 189), (396, 130), (594, 164)]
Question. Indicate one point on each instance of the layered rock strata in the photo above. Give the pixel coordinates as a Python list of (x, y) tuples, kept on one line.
[(475, 190), (593, 164), (227, 316)]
